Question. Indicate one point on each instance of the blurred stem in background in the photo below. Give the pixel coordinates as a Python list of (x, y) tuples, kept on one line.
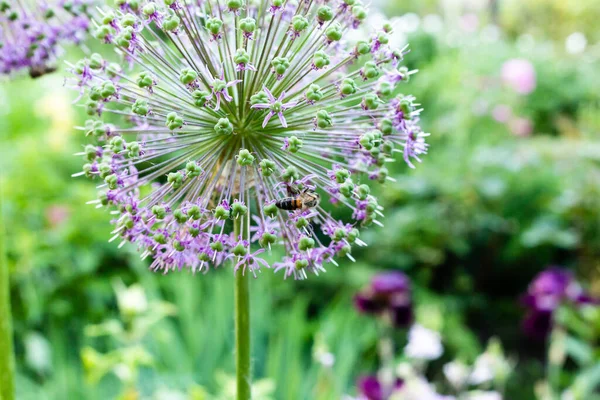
[(7, 363), (242, 317)]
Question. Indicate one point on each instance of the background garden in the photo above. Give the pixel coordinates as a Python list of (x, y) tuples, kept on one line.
[(510, 187)]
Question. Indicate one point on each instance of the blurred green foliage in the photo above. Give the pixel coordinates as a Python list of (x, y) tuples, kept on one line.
[(484, 212)]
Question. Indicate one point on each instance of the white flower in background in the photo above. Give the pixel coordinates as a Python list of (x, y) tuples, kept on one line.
[(423, 343), (417, 388), (457, 373), (576, 43), (131, 300), (433, 23), (483, 395), (491, 365)]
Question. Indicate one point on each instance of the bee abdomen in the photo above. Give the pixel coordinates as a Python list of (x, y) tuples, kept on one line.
[(289, 203)]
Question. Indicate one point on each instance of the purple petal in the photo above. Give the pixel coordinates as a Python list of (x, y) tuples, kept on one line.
[(267, 118), (269, 94), (282, 119)]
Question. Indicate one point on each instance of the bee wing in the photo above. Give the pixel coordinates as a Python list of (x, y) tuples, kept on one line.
[(292, 190)]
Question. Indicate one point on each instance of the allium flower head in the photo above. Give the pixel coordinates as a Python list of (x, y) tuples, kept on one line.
[(219, 109), (31, 33)]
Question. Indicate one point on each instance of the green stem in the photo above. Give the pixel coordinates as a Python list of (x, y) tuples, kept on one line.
[(7, 364), (242, 320)]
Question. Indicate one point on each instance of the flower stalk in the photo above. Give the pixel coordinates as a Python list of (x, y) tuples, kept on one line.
[(242, 320), (7, 364)]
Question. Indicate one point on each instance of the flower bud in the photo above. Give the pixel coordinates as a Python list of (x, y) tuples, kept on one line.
[(145, 79), (323, 119), (193, 169), (176, 179), (266, 239), (171, 22), (280, 65), (290, 173), (363, 191), (221, 212), (180, 216), (174, 121), (300, 264), (267, 167), (306, 243), (224, 127), (320, 59), (140, 107), (347, 188), (238, 209), (270, 210), (294, 144), (239, 250), (324, 13), (334, 32), (341, 175), (299, 23), (248, 25), (313, 93), (245, 158), (187, 76), (200, 97)]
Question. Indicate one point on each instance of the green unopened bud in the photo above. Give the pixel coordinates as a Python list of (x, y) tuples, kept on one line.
[(267, 239), (128, 20), (299, 23), (140, 107), (290, 174), (341, 175), (270, 210), (248, 25), (323, 119), (339, 234), (214, 25), (371, 205), (353, 235), (112, 181), (300, 264), (387, 147), (96, 61), (160, 238), (385, 90), (91, 107), (359, 12), (280, 65), (324, 13), (238, 210), (294, 144), (306, 243), (371, 101), (133, 149), (174, 121), (91, 152), (383, 38), (193, 169), (204, 257), (149, 9), (124, 37), (267, 167), (180, 216), (108, 18), (113, 69), (107, 89), (344, 251), (200, 97), (362, 47), (95, 93), (387, 27), (385, 126), (234, 5), (405, 75), (217, 246), (347, 188), (366, 141), (245, 158), (348, 87), (407, 108), (104, 170), (221, 212), (194, 212), (241, 57), (171, 22), (224, 127), (187, 76), (334, 32), (177, 245), (370, 70), (321, 59), (301, 223), (94, 128), (382, 174), (176, 179), (87, 170), (259, 98), (117, 144), (239, 250), (314, 93), (363, 191), (145, 79)]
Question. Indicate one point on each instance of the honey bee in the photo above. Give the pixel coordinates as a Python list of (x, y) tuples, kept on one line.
[(299, 199), (37, 71)]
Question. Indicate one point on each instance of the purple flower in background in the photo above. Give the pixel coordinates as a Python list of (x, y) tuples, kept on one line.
[(31, 33), (372, 389), (389, 295), (197, 139), (519, 75), (550, 289)]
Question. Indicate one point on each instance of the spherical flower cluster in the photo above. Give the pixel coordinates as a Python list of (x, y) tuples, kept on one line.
[(231, 106), (388, 295), (31, 33), (550, 289)]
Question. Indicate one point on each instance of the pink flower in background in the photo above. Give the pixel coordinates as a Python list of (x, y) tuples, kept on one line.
[(56, 214), (502, 113), (519, 75), (521, 126), (469, 22)]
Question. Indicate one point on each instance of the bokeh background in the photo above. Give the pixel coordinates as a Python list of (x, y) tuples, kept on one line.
[(511, 91)]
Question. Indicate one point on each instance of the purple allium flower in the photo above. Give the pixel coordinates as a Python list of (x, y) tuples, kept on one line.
[(550, 289), (196, 145), (31, 33), (389, 294), (371, 388)]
